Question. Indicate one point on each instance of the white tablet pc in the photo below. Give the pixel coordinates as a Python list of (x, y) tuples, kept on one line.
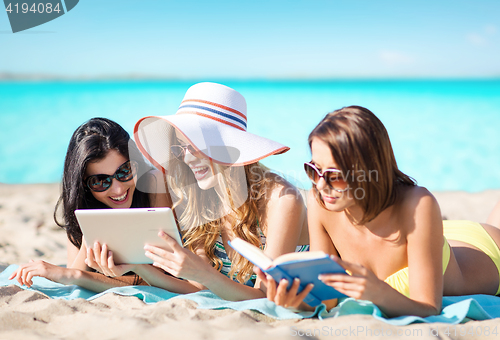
[(126, 231)]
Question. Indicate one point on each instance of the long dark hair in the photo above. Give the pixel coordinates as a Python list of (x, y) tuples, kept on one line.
[(361, 147), (91, 142)]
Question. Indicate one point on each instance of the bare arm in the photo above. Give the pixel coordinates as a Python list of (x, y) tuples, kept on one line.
[(320, 239), (76, 257), (92, 281), (156, 278), (159, 197), (425, 264), (284, 221), (101, 259), (223, 286), (72, 253), (423, 225), (77, 272), (197, 272), (95, 281)]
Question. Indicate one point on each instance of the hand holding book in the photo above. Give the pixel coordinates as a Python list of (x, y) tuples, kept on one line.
[(281, 295), (306, 266)]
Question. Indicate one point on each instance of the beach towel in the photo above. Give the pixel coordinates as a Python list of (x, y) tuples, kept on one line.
[(456, 309)]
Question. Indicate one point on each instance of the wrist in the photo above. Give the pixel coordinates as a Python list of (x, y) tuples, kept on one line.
[(384, 296), (209, 277), (139, 269), (304, 307), (73, 276)]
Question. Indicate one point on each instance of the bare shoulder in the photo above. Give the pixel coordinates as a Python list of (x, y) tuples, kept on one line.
[(158, 190), (419, 209), (156, 181), (418, 199), (283, 191), (283, 216), (157, 174), (280, 200)]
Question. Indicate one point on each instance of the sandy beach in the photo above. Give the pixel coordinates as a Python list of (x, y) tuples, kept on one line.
[(28, 231)]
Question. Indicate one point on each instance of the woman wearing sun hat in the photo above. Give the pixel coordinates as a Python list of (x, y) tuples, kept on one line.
[(219, 191)]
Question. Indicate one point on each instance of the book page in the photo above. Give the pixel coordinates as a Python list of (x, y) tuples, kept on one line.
[(308, 255), (251, 253)]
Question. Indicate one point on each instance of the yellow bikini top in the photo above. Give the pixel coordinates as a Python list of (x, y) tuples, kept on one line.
[(400, 280)]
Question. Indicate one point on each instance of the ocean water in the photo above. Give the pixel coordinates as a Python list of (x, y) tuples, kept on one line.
[(445, 134)]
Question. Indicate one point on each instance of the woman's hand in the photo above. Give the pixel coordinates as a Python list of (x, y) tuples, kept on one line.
[(362, 284), (280, 295), (178, 261), (25, 273), (101, 259)]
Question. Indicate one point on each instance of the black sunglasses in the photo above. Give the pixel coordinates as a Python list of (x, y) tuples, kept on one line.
[(124, 173)]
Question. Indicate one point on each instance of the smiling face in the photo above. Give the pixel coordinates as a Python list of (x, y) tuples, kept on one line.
[(322, 158), (119, 194), (199, 165)]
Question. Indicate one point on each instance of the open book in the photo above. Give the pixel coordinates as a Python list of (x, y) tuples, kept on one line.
[(305, 265)]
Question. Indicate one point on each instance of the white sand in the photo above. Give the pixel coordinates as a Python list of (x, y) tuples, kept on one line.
[(27, 231)]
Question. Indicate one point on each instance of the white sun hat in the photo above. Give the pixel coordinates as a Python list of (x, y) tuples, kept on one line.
[(213, 118)]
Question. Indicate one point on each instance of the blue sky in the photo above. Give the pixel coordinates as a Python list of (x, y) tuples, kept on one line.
[(261, 39)]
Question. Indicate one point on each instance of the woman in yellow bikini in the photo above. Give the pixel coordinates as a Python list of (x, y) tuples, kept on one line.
[(383, 228)]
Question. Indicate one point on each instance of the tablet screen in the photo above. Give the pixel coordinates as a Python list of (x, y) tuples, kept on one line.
[(126, 231)]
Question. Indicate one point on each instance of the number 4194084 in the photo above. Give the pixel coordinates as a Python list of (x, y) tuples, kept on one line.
[(35, 8)]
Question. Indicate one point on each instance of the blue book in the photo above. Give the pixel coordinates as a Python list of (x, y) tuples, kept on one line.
[(306, 266)]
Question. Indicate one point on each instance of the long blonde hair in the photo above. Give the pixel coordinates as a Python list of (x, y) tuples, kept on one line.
[(200, 222)]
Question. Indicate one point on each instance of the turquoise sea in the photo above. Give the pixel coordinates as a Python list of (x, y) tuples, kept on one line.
[(445, 134)]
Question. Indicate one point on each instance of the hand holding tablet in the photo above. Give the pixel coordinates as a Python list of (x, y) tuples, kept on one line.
[(126, 231)]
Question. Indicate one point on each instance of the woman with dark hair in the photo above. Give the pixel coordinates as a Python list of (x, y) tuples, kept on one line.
[(102, 170), (386, 231)]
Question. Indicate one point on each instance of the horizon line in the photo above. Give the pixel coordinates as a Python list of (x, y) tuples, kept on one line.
[(39, 77)]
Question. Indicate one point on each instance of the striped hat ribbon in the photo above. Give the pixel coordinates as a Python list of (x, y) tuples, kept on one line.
[(217, 112)]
